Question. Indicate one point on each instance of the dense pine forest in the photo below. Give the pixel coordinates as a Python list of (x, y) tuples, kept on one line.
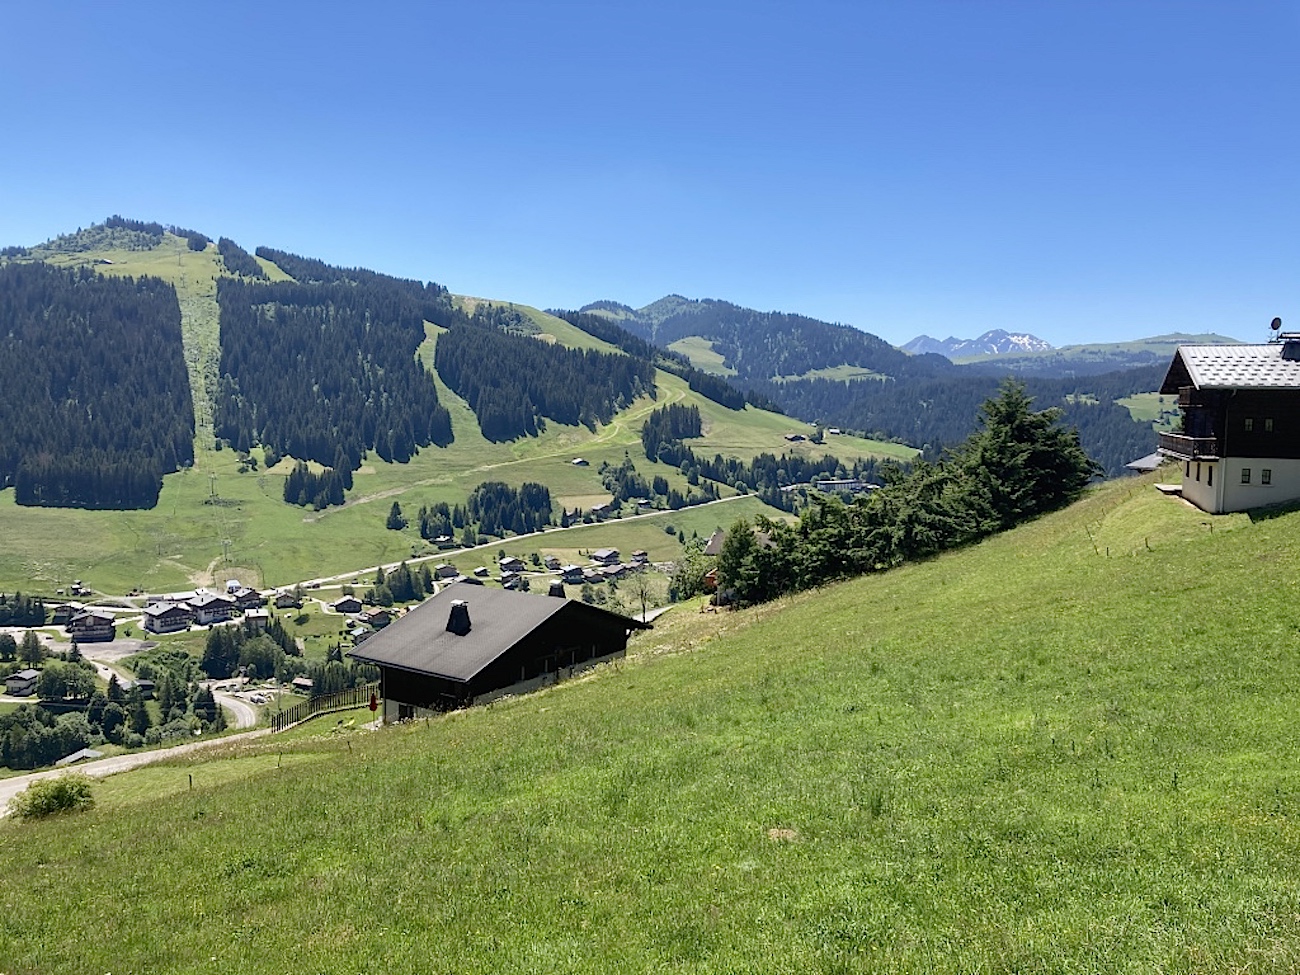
[(327, 372), (514, 383), (936, 413), (95, 400)]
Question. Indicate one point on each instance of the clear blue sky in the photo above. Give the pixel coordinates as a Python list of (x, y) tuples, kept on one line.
[(1087, 170)]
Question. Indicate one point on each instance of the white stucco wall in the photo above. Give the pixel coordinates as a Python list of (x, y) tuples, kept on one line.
[(1228, 493)]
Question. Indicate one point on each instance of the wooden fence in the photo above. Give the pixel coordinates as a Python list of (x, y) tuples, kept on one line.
[(339, 701)]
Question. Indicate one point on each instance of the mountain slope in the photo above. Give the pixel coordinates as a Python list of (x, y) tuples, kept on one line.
[(225, 516), (882, 775)]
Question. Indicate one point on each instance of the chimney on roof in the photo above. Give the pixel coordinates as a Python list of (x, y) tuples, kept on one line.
[(557, 589), (458, 621)]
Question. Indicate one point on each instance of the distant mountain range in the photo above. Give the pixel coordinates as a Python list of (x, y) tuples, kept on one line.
[(994, 342), (842, 376)]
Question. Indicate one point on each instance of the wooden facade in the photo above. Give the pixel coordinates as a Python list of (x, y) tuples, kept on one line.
[(1239, 446), (470, 644)]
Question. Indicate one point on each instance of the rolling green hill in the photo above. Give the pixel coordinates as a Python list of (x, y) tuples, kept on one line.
[(214, 521), (1041, 753)]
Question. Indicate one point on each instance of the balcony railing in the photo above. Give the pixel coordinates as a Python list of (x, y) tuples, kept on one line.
[(1189, 448)]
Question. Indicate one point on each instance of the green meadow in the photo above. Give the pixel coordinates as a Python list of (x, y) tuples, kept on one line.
[(1071, 748)]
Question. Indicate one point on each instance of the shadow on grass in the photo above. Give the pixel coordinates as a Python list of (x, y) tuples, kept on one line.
[(1273, 511)]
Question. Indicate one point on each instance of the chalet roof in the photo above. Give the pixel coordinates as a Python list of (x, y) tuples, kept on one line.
[(162, 609), (27, 674), (421, 642), (1233, 367)]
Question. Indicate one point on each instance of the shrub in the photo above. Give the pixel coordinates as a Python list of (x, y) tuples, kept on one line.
[(45, 797)]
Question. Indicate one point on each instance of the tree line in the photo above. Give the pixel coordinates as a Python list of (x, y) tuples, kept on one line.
[(938, 412), (709, 386), (1018, 465), (514, 383), (96, 399), (238, 260), (326, 372)]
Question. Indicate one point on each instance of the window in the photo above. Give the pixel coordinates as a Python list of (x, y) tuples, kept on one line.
[(1209, 475), (1198, 470), (1245, 475), (1266, 476), (1268, 424), (1250, 423), (1187, 471)]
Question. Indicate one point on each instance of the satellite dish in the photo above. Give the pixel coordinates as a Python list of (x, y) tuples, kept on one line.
[(1276, 324)]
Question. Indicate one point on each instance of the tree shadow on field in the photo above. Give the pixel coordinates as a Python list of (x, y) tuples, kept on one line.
[(1273, 511)]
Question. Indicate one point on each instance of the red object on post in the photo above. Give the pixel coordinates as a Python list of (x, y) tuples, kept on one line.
[(374, 702)]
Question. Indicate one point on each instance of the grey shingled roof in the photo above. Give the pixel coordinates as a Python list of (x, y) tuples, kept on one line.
[(1240, 366), (499, 619)]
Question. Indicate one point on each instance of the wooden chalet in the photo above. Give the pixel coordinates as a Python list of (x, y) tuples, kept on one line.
[(288, 599), (168, 617), (212, 608), (469, 644), (1239, 445), (348, 604), (92, 626), (605, 556)]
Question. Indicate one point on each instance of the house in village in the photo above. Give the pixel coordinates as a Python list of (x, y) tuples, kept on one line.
[(212, 608), (288, 599), (92, 626), (552, 563), (511, 564), (168, 617), (605, 556), (23, 683), (347, 604), (1239, 446), (246, 599), (469, 645), (257, 620), (445, 570)]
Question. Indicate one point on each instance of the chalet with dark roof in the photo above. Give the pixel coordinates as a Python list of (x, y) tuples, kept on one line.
[(469, 645), (92, 626), (1239, 445)]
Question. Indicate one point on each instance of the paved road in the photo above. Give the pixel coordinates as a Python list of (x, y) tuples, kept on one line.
[(118, 763), (245, 714)]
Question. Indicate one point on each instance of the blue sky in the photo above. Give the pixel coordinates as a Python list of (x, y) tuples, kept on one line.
[(1086, 171)]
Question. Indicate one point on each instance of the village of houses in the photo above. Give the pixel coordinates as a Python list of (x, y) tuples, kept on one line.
[(92, 627)]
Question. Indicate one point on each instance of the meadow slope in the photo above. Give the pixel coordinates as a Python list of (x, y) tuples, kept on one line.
[(1071, 748)]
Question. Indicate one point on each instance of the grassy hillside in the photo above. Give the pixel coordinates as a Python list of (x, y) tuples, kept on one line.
[(213, 522), (1071, 748)]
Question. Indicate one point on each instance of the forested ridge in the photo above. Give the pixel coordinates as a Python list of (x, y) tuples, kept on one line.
[(924, 400), (327, 372), (941, 412), (763, 345), (95, 400), (706, 384), (514, 383)]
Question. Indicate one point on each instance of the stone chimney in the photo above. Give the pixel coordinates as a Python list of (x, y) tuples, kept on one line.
[(458, 621)]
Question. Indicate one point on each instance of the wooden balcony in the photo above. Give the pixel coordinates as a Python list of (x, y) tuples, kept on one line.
[(1189, 448)]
